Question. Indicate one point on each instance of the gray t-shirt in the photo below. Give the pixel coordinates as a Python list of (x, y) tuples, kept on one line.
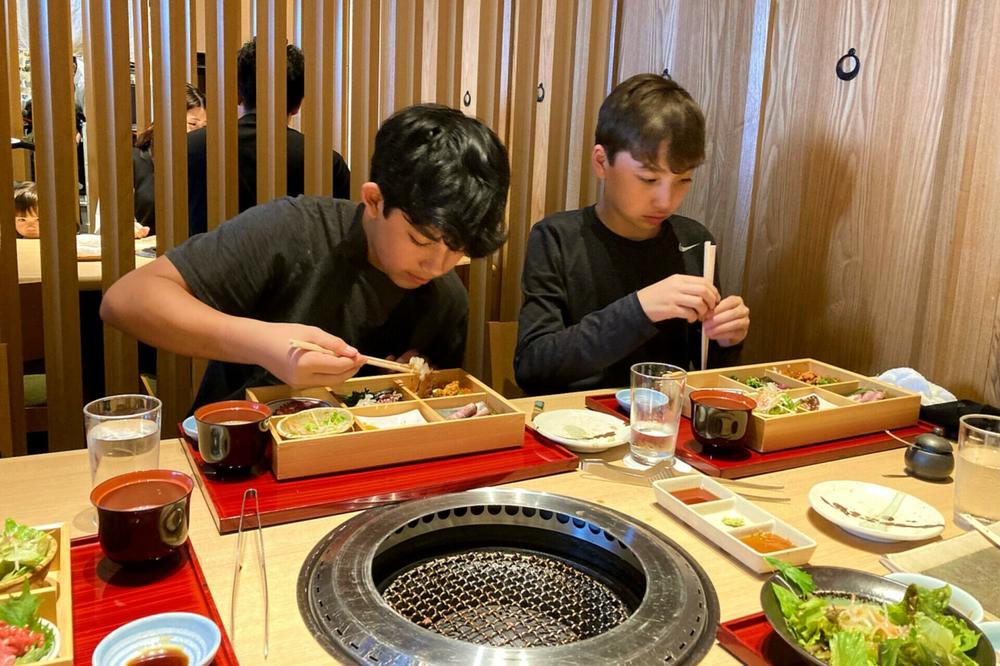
[(305, 260)]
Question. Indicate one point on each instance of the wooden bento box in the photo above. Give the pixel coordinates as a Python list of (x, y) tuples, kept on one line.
[(55, 593), (361, 447), (840, 414)]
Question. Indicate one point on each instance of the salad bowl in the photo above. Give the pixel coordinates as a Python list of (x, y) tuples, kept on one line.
[(22, 541), (855, 587)]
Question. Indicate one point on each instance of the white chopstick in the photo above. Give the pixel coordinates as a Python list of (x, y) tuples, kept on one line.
[(370, 360), (709, 272), (978, 525)]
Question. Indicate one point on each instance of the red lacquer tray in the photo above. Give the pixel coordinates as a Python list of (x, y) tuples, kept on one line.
[(105, 596), (747, 462), (753, 641), (312, 497)]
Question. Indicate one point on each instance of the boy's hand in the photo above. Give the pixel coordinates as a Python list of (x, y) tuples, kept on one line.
[(680, 296), (300, 367), (729, 323)]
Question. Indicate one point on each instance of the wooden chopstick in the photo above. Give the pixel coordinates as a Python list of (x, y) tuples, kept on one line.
[(708, 270), (370, 360), (978, 525)]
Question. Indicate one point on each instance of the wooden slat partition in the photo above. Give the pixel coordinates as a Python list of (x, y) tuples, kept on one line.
[(90, 132), (318, 107), (21, 158), (143, 67), (221, 46), (12, 437), (108, 54), (58, 208), (364, 88), (191, 19), (170, 171), (272, 106)]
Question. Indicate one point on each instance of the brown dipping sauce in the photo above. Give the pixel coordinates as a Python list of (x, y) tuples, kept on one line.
[(694, 495), (719, 402), (766, 542), (233, 417), (160, 656), (142, 495)]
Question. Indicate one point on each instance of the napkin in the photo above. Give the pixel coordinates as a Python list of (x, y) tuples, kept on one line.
[(911, 380)]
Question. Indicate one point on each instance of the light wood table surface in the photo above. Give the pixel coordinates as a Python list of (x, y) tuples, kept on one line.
[(55, 487), (29, 264)]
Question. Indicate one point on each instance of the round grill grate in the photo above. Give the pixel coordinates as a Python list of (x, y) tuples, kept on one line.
[(505, 598)]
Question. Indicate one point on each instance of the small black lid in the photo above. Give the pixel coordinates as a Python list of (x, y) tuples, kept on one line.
[(933, 443)]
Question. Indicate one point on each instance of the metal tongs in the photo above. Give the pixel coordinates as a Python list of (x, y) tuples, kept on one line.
[(238, 564)]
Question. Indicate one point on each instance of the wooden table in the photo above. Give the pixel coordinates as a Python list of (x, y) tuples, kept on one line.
[(29, 264), (55, 487)]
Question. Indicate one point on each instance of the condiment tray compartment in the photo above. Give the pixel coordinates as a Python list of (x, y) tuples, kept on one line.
[(704, 504)]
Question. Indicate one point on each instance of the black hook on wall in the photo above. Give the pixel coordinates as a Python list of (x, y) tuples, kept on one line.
[(467, 99), (541, 93), (666, 74), (853, 72)]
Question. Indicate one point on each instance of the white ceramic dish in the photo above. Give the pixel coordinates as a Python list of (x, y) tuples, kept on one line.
[(962, 601), (195, 635), (582, 430), (992, 631), (706, 518), (190, 427), (874, 512)]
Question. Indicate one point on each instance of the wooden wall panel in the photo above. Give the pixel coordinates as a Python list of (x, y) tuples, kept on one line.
[(20, 157), (363, 71), (221, 45), (90, 137), (12, 437), (318, 108), (706, 46), (956, 339), (143, 66), (170, 171), (58, 208), (843, 203), (110, 125), (272, 105)]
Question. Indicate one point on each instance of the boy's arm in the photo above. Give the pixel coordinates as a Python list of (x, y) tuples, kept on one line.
[(155, 305)]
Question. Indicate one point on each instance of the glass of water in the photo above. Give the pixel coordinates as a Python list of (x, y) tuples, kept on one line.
[(123, 435), (657, 398), (977, 468)]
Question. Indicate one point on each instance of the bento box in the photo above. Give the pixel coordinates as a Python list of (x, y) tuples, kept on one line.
[(416, 426), (804, 401), (55, 595)]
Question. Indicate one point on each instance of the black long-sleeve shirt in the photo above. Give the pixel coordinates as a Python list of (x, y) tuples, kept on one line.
[(581, 324)]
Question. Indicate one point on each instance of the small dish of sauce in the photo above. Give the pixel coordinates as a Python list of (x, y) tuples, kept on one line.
[(168, 655), (766, 542), (693, 495)]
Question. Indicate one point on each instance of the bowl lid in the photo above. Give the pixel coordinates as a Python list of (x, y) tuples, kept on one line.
[(933, 443)]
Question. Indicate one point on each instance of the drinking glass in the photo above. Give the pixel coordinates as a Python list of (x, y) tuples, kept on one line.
[(123, 435), (977, 468), (657, 394)]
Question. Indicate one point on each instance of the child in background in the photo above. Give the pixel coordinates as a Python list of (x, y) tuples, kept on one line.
[(26, 210)]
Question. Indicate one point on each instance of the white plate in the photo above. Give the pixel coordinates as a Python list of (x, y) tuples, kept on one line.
[(190, 427), (857, 507), (582, 430)]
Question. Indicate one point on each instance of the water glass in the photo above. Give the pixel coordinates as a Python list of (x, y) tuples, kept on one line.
[(123, 435), (977, 467), (657, 394)]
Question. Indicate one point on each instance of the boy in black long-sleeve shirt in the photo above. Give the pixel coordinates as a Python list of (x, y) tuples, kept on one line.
[(621, 282)]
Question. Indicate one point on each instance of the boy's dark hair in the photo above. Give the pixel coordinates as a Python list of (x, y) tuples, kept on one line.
[(246, 76), (645, 111), (447, 172), (25, 197)]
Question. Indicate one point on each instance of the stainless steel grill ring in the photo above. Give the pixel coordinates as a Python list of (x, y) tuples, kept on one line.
[(502, 577)]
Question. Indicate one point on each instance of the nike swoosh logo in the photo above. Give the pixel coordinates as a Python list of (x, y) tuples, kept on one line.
[(685, 248)]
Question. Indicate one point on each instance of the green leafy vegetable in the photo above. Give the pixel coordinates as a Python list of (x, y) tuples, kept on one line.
[(22, 549), (22, 611), (851, 632)]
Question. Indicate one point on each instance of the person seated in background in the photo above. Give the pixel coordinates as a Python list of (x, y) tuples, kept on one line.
[(26, 210), (142, 158), (620, 282), (246, 129), (375, 275)]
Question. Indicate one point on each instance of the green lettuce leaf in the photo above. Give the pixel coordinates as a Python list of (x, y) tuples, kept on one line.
[(22, 548), (793, 575), (848, 648), (21, 611)]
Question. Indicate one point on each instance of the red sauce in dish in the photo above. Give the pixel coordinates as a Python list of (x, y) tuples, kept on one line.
[(694, 495), (766, 542), (161, 656)]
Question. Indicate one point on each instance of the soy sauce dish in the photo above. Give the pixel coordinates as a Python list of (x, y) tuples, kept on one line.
[(166, 639)]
